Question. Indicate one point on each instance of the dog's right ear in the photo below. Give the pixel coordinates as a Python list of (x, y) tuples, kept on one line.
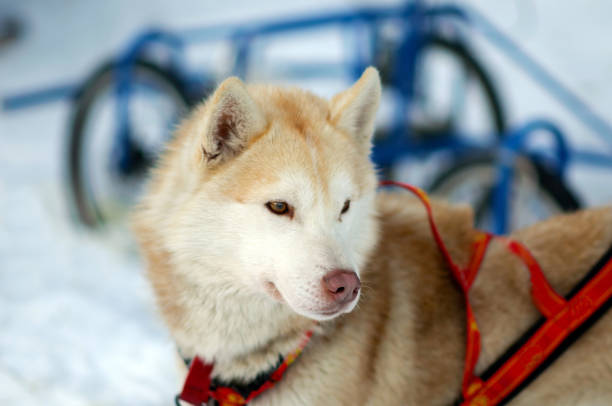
[(233, 119), (354, 110)]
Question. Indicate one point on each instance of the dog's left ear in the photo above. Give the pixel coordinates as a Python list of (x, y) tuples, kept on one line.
[(233, 119), (354, 110)]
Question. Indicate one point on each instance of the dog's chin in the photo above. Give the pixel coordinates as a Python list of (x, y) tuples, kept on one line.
[(324, 314)]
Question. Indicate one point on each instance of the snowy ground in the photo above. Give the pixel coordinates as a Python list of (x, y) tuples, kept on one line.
[(77, 321)]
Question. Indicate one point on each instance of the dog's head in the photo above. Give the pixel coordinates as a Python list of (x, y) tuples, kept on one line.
[(282, 192)]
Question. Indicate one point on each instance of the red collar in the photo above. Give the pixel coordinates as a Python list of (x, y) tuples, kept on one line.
[(564, 319), (198, 387)]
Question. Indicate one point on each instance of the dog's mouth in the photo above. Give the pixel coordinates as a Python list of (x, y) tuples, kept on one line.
[(315, 313), (330, 313), (322, 315)]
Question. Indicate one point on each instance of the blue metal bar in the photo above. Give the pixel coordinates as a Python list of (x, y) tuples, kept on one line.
[(572, 102), (123, 87), (38, 97), (513, 145), (448, 10), (362, 33), (241, 62), (299, 70), (122, 77), (502, 194), (223, 31), (386, 151), (591, 158), (127, 57), (146, 39), (367, 14), (516, 142), (176, 40)]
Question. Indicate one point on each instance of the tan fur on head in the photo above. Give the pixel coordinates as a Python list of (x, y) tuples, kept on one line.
[(239, 285)]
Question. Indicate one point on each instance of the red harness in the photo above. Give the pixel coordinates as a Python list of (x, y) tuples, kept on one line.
[(198, 386), (563, 320)]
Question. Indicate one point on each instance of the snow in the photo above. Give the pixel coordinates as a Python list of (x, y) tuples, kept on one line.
[(77, 317)]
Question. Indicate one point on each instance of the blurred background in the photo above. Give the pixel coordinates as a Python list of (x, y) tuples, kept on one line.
[(502, 105)]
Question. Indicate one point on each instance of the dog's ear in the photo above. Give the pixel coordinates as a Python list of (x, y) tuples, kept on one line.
[(233, 119), (354, 110)]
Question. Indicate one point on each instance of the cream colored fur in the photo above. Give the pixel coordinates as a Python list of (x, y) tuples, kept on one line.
[(238, 284)]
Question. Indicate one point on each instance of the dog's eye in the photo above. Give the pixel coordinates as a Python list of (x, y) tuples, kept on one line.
[(279, 208), (346, 207)]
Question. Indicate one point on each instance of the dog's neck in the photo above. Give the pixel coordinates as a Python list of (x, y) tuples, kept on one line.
[(242, 334)]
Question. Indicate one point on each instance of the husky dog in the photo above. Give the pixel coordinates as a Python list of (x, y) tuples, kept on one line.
[(263, 221)]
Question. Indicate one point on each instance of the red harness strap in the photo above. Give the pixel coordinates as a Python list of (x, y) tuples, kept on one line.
[(198, 387), (464, 278), (562, 317), (560, 323)]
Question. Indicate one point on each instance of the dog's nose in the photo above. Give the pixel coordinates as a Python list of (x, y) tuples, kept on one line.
[(342, 285)]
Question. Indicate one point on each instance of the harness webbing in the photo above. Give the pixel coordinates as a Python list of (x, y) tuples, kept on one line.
[(199, 386), (564, 320), (551, 337)]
